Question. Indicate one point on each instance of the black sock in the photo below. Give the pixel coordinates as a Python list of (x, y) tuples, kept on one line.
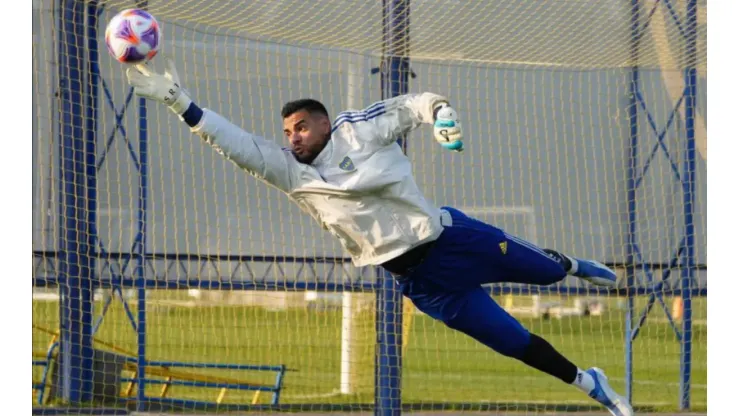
[(543, 356), (561, 258)]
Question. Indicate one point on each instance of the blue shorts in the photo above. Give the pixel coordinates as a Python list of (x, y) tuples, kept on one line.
[(469, 253)]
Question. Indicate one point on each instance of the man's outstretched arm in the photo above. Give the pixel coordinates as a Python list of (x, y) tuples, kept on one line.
[(262, 158), (397, 116)]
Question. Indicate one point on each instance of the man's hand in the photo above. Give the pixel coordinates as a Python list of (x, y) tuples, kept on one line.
[(164, 88), (447, 130)]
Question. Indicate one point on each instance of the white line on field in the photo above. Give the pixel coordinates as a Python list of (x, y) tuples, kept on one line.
[(332, 393)]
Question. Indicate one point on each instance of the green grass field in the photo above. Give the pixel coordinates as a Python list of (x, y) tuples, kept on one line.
[(440, 365)]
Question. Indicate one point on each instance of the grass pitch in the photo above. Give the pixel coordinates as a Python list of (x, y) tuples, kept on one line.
[(439, 365)]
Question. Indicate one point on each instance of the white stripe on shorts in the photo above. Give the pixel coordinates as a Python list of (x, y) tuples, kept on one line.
[(529, 245)]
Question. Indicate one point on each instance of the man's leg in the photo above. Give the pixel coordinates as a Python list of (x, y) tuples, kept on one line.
[(525, 262), (476, 314), (490, 255)]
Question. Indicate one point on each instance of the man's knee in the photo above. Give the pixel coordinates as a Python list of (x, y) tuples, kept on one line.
[(475, 314), (507, 336), (481, 318)]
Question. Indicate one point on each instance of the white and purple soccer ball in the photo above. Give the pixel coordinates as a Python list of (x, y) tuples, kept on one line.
[(133, 36)]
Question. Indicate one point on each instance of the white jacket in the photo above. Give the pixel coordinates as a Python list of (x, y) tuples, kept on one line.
[(360, 187)]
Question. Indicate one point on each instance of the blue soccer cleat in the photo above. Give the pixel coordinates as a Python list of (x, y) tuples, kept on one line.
[(604, 394), (594, 272)]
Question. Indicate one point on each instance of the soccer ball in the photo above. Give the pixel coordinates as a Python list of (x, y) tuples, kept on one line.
[(133, 36)]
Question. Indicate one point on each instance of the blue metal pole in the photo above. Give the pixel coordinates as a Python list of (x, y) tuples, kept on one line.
[(389, 322), (632, 194), (92, 120), (687, 269), (92, 136), (76, 259), (140, 272)]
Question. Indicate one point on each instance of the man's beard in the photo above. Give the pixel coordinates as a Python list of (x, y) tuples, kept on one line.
[(308, 158)]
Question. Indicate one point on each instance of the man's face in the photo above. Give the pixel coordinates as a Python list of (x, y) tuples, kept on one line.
[(307, 134)]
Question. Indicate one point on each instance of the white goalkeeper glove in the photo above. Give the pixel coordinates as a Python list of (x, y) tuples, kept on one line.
[(447, 130), (164, 88)]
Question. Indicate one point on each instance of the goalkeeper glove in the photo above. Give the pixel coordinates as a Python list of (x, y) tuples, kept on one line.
[(447, 130), (164, 88)]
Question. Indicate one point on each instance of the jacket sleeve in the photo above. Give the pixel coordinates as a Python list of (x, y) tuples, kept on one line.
[(263, 159), (395, 117)]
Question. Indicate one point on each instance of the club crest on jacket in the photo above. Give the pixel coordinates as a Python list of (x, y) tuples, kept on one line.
[(347, 164)]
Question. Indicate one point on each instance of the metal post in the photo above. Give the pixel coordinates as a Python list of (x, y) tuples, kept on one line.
[(76, 197), (389, 324), (632, 193), (393, 82), (689, 164), (350, 332), (140, 271)]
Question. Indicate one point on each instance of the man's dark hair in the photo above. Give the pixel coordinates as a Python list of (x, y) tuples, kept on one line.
[(308, 104)]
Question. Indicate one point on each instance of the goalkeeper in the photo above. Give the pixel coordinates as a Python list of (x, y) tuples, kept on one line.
[(354, 180)]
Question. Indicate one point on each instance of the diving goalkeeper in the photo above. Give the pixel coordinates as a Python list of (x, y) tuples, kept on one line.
[(354, 180)]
